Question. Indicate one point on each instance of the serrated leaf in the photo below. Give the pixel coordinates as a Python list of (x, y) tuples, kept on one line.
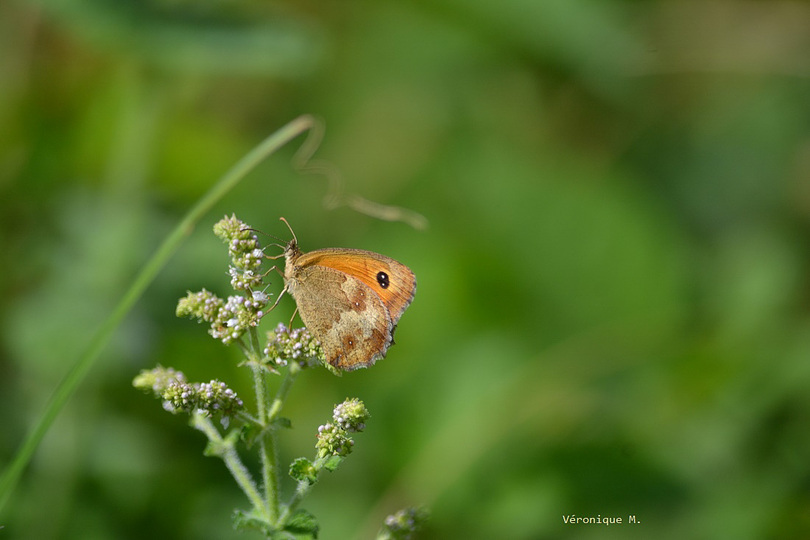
[(302, 470), (332, 462), (302, 522), (248, 521)]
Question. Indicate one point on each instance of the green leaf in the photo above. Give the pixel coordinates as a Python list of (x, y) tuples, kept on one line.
[(213, 449), (283, 421), (302, 470), (249, 521), (332, 462), (248, 434), (302, 522)]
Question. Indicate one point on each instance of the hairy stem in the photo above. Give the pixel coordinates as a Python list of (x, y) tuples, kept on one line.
[(301, 491), (225, 448), (270, 473), (275, 407)]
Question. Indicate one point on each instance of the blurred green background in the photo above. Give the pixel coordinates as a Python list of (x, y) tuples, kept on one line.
[(613, 313)]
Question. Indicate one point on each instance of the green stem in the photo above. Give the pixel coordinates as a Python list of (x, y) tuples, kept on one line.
[(300, 492), (249, 419), (225, 448), (242, 347), (259, 382), (254, 342), (275, 407), (267, 442), (270, 476), (169, 246), (268, 446)]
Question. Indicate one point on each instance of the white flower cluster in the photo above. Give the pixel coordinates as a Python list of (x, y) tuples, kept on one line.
[(297, 344), (351, 415), (206, 398), (333, 441)]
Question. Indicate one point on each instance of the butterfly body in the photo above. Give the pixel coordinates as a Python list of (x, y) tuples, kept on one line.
[(349, 299)]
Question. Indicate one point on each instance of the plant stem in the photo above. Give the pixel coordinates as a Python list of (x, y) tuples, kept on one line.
[(260, 388), (254, 342), (275, 407), (225, 449), (267, 450), (300, 492), (267, 442)]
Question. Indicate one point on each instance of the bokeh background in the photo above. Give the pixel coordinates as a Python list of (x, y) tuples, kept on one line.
[(613, 314)]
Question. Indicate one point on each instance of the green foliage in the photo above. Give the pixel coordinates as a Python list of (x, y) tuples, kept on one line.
[(283, 422), (302, 470), (247, 521), (612, 309), (331, 463), (302, 522)]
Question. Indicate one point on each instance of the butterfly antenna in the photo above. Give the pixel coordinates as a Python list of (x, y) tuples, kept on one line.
[(282, 246), (291, 231)]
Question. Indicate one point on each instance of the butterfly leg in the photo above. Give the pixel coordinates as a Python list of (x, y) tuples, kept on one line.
[(278, 299), (293, 317), (276, 268)]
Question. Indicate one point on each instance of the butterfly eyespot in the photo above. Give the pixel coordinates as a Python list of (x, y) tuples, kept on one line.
[(382, 279)]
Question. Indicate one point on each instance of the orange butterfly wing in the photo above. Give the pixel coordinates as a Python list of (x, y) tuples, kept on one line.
[(391, 280), (331, 288)]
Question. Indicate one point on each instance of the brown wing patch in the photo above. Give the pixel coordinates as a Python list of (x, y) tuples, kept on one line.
[(358, 299), (351, 322), (391, 280)]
